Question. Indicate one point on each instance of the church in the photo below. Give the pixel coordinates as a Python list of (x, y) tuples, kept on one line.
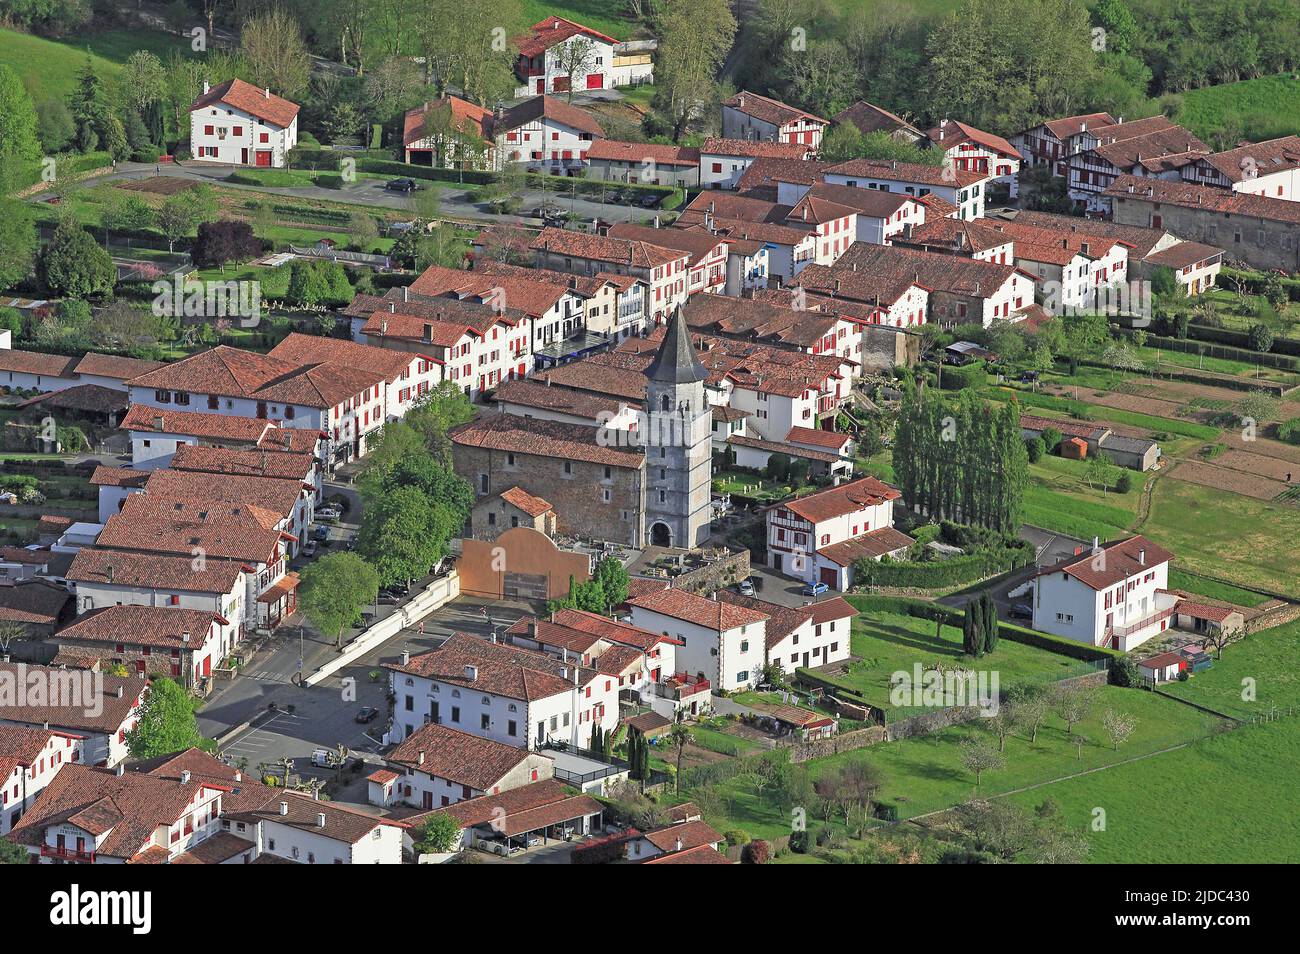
[(647, 486)]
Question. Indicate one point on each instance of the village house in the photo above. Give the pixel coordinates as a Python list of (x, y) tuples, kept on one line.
[(207, 530), (504, 693), (185, 644), (975, 239), (643, 163), (667, 841), (29, 760), (34, 605), (723, 162), (1154, 147), (613, 306), (1076, 273), (512, 820), (450, 133), (1262, 231), (880, 215), (869, 118), (545, 134), (514, 507), (819, 537), (542, 400), (758, 118), (264, 461), (343, 401), (438, 765), (34, 371), (1195, 266), (706, 268), (959, 289), (973, 150), (962, 188), (558, 55), (814, 330), (102, 578), (97, 709), (156, 433), (719, 642), (664, 269), (1053, 142), (1135, 453), (1114, 596), (239, 124), (477, 345), (1270, 168), (802, 637)]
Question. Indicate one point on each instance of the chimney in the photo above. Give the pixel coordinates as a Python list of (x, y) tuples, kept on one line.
[(120, 769), (1096, 543), (420, 757), (320, 819), (383, 326), (532, 626), (406, 657), (392, 307), (158, 422), (118, 692), (267, 92), (406, 293), (108, 572), (284, 808), (1083, 126), (1142, 555), (185, 639), (471, 673), (239, 776), (740, 100), (428, 333), (185, 776), (205, 86), (679, 841)]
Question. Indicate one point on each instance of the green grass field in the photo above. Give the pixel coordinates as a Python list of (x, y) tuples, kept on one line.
[(1262, 665), (1261, 108), (925, 774), (1182, 580), (1244, 540), (49, 68), (1171, 807), (885, 643)]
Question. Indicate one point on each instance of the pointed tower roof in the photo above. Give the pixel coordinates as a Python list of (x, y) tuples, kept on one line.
[(675, 362)]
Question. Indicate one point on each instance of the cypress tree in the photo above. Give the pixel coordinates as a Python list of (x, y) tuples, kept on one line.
[(972, 640), (990, 622)]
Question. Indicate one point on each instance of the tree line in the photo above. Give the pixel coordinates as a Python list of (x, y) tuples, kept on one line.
[(964, 461)]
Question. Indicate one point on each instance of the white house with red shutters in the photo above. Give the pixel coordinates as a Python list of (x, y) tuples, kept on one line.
[(719, 642), (819, 537), (185, 644), (557, 55), (29, 760), (974, 150), (545, 134), (581, 253), (238, 123), (762, 119), (1114, 596), (501, 692)]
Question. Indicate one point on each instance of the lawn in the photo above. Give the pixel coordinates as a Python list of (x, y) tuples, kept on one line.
[(1182, 580), (1059, 498), (1263, 108), (49, 68), (886, 643), (716, 740), (1224, 800), (1243, 540), (1267, 659), (1096, 412), (925, 774)]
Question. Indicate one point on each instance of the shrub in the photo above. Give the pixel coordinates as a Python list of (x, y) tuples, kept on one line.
[(1289, 431), (1035, 449), (737, 836), (758, 852), (1261, 337), (1124, 483), (799, 842), (1124, 672)]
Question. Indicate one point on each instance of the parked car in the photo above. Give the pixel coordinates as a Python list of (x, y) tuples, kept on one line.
[(746, 588), (402, 185), (1022, 611), (324, 758), (815, 589), (322, 534), (329, 512), (649, 201), (309, 548), (367, 714)]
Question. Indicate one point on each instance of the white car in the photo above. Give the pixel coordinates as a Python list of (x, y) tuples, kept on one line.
[(309, 548), (329, 513)]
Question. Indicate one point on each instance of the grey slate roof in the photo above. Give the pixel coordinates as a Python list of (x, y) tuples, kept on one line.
[(676, 362)]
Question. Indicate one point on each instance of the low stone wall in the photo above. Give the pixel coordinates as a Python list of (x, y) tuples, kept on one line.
[(844, 742), (716, 575), (928, 722)]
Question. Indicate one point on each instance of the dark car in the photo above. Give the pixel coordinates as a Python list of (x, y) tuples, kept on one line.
[(367, 714), (1029, 377), (649, 201), (401, 185), (1022, 611)]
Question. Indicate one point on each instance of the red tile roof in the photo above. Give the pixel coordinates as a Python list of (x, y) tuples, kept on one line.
[(1112, 563), (531, 435), (910, 172), (832, 440), (699, 855), (713, 614), (838, 501), (683, 836), (869, 118), (530, 504), (34, 362), (104, 713), (531, 393), (303, 349), (769, 110), (164, 626), (248, 98), (601, 248), (1209, 198), (1069, 126), (458, 757), (752, 149), (470, 119), (114, 366), (495, 668), (547, 108), (953, 133), (224, 427), (276, 464), (546, 33), (219, 530), (660, 154), (153, 571), (118, 477), (871, 545)]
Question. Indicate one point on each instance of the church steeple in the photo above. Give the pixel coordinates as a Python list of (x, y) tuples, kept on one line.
[(676, 362)]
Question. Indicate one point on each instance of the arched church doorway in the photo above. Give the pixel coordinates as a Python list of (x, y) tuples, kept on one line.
[(660, 535)]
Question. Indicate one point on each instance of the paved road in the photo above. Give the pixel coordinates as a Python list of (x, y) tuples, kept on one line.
[(456, 203)]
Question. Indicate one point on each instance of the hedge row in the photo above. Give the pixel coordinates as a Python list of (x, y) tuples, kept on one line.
[(960, 378), (64, 166), (941, 574), (388, 167), (953, 617), (1188, 346), (1253, 282), (1241, 339)]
